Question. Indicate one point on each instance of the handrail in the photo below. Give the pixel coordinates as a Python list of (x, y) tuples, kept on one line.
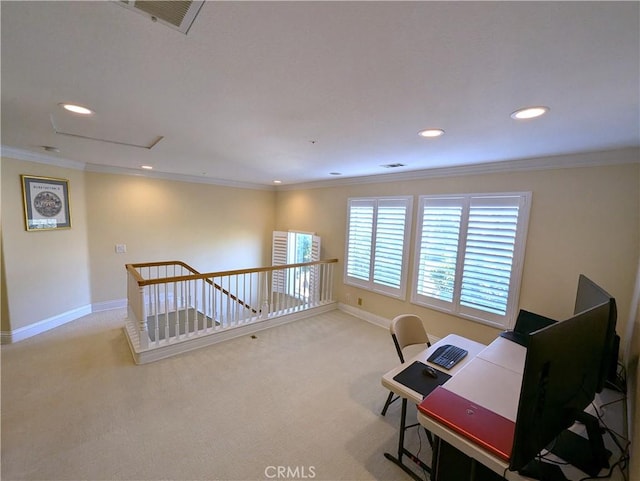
[(147, 282), (142, 282), (170, 302)]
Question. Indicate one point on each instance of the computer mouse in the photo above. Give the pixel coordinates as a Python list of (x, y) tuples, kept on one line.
[(429, 371)]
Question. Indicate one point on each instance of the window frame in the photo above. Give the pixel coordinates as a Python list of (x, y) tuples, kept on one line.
[(455, 307), (370, 284)]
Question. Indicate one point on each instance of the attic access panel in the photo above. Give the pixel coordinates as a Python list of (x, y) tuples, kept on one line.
[(176, 14)]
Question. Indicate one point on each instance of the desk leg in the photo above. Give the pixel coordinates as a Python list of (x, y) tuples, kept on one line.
[(402, 451)]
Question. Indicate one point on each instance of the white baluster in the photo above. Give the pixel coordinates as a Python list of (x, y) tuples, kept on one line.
[(156, 296), (167, 328), (143, 334)]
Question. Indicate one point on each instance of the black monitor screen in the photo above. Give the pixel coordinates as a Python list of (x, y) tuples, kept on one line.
[(560, 379)]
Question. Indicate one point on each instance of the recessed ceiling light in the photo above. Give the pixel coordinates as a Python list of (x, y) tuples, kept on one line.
[(277, 182), (146, 167), (76, 109), (431, 133), (529, 113)]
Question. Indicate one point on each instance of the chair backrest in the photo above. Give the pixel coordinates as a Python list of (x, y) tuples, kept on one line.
[(407, 330)]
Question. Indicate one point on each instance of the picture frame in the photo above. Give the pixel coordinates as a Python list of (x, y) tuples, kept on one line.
[(46, 203)]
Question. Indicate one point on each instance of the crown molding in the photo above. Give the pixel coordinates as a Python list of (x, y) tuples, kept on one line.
[(582, 159), (192, 179), (21, 154)]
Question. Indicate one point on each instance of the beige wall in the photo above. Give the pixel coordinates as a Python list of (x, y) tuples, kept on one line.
[(211, 228), (632, 363), (583, 220), (45, 273), (4, 308), (50, 273)]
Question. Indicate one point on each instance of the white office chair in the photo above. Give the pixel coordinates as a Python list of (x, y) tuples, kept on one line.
[(406, 330)]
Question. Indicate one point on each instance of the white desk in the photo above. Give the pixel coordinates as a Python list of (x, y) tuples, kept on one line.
[(474, 348), (408, 394), (490, 376), (491, 379)]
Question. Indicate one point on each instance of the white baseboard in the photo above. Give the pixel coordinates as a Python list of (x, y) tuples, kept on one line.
[(109, 305), (22, 333), (44, 325), (376, 320), (365, 316)]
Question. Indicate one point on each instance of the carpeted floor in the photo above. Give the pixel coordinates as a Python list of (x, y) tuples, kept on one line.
[(301, 400)]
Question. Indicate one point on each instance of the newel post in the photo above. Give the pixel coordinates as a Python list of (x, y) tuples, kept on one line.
[(136, 309), (143, 332)]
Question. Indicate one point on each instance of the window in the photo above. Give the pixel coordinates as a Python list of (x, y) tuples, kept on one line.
[(295, 248), (470, 251), (377, 244)]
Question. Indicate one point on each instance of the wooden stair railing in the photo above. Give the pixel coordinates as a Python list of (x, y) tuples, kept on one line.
[(199, 275), (132, 268)]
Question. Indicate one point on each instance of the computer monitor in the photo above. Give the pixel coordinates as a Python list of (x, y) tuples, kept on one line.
[(560, 379), (588, 295)]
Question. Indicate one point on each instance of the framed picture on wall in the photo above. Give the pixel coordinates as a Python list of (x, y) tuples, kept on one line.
[(46, 203)]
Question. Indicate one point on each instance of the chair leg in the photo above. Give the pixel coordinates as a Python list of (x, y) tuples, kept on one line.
[(390, 399)]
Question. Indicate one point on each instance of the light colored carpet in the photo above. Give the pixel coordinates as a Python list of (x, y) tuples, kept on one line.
[(305, 396)]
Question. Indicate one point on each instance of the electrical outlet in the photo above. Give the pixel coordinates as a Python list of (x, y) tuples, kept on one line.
[(121, 248), (359, 301)]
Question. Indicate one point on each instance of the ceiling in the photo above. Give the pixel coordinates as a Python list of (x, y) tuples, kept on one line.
[(302, 91)]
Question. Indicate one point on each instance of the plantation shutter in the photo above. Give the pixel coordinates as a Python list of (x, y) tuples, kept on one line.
[(377, 244), (360, 238), (489, 252), (315, 248), (279, 251), (438, 248), (280, 255), (314, 273), (389, 245), (471, 254)]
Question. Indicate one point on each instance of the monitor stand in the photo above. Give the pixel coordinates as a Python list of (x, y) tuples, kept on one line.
[(587, 454)]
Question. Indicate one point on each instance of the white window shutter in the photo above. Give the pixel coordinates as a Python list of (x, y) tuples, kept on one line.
[(437, 243), (315, 248), (378, 244), (360, 237), (491, 238), (389, 248), (314, 273), (471, 254), (279, 248), (279, 258)]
